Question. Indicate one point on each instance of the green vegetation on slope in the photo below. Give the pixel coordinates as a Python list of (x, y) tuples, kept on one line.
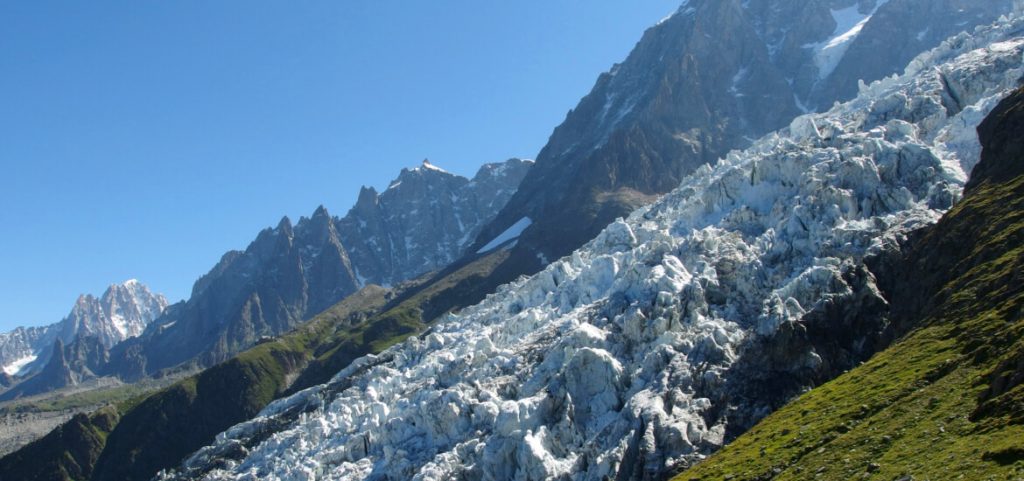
[(946, 401), (407, 314), (77, 442)]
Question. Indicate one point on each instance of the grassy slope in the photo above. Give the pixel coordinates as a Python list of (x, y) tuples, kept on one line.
[(78, 442), (947, 400)]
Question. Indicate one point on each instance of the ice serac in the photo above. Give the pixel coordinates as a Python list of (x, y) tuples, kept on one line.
[(619, 361), (709, 79), (425, 219), (122, 312)]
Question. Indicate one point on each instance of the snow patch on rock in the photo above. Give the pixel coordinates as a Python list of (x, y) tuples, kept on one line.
[(509, 234), (15, 367), (849, 23)]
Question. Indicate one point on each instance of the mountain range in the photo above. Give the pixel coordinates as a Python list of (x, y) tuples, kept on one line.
[(424, 220), (693, 249)]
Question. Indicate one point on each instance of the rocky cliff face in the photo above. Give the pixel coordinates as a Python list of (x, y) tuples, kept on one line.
[(20, 347), (618, 362), (286, 275), (122, 312), (68, 365), (709, 79), (425, 219)]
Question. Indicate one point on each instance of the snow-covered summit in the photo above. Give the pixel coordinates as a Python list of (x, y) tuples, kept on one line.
[(121, 312), (605, 365)]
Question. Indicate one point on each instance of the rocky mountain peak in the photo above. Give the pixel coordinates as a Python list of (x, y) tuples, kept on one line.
[(64, 353), (121, 312), (424, 220), (321, 213), (318, 229), (284, 227), (367, 197)]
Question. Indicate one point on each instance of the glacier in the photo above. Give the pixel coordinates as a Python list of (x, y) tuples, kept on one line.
[(604, 365)]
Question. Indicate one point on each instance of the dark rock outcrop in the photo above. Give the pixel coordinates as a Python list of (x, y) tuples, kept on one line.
[(67, 366)]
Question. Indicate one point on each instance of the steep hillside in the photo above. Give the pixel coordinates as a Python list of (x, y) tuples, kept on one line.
[(78, 443), (946, 401), (165, 427), (623, 359), (285, 276)]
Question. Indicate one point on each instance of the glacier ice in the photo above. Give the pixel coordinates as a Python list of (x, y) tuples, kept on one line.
[(598, 367)]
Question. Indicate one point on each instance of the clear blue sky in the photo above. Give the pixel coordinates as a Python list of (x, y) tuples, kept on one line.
[(143, 139)]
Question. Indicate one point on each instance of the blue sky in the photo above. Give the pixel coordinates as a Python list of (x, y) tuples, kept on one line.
[(143, 139)]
